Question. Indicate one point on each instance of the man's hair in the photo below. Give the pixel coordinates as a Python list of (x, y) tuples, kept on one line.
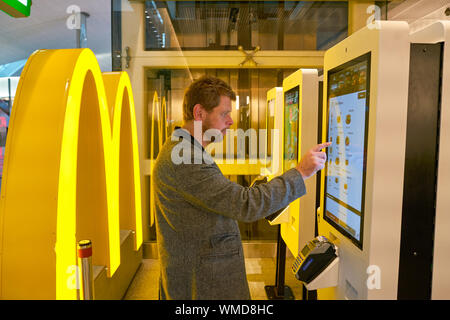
[(205, 91)]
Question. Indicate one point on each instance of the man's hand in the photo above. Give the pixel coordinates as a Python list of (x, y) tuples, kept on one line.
[(313, 161)]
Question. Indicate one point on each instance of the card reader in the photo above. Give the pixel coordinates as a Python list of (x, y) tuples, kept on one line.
[(314, 258)]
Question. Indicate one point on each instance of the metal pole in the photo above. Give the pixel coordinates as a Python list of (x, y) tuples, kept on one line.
[(280, 291), (85, 264), (281, 265), (82, 31)]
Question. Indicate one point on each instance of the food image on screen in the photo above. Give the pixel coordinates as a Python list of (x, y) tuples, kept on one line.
[(348, 107), (291, 105)]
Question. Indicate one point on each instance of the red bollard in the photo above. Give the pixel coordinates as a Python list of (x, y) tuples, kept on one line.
[(85, 263)]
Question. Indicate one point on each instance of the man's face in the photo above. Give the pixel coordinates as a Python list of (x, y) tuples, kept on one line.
[(219, 118)]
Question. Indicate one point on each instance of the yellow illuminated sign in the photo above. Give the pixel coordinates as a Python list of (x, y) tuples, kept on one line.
[(159, 116), (71, 173)]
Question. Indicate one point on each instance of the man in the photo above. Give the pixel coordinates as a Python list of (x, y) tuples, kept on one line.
[(197, 208)]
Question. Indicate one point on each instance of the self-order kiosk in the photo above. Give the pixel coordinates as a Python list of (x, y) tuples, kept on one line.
[(384, 211)]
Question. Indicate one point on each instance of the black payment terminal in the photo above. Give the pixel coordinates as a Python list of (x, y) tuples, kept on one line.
[(314, 258)]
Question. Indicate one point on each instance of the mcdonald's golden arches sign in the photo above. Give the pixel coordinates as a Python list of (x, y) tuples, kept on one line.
[(71, 172)]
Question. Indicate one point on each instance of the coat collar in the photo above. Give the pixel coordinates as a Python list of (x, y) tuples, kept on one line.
[(183, 133)]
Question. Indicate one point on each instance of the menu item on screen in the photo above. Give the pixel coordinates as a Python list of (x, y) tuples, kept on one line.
[(291, 110), (345, 171)]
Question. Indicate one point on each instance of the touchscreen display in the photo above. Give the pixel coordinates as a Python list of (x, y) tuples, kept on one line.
[(291, 110), (347, 119)]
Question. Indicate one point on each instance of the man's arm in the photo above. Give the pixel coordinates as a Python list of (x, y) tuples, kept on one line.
[(205, 186), (208, 189)]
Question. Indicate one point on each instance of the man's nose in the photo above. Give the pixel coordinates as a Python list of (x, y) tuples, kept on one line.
[(230, 121)]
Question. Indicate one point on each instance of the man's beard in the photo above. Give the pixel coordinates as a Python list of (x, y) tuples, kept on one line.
[(211, 134)]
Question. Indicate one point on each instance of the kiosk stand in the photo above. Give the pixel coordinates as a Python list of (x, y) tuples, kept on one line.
[(385, 202), (299, 116), (274, 124), (300, 101), (280, 291), (365, 117)]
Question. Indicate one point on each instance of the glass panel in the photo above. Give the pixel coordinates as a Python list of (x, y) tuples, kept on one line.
[(226, 25)]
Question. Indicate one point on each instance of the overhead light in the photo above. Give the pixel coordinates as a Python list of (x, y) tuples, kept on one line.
[(237, 102)]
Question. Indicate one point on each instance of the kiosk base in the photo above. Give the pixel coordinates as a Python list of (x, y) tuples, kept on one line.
[(272, 293), (279, 291)]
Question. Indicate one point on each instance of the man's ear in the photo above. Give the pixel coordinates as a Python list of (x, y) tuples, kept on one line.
[(198, 112)]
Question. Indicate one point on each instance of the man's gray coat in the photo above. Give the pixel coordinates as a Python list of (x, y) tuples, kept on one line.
[(199, 242)]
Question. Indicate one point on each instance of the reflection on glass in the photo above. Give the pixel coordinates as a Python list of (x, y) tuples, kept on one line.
[(226, 25)]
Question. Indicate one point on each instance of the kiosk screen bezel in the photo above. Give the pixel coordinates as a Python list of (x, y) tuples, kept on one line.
[(290, 91), (363, 58), (270, 125)]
